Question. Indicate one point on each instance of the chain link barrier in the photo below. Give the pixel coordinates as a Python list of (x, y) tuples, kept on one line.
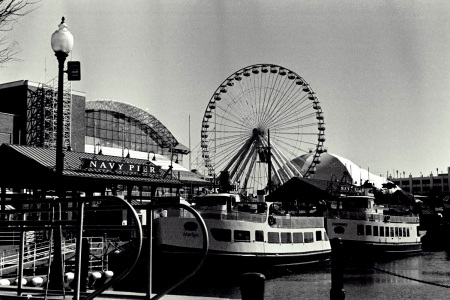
[(411, 278)]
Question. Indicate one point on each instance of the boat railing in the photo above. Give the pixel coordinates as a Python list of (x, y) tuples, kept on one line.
[(334, 214), (297, 222), (213, 214)]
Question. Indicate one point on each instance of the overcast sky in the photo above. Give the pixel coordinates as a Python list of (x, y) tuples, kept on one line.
[(381, 69)]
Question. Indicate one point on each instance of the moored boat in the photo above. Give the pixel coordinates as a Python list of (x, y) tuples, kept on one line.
[(243, 233), (361, 224)]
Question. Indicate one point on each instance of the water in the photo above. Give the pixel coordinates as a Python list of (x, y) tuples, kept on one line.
[(361, 280)]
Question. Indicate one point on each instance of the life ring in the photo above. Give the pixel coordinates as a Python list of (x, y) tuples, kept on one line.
[(272, 220)]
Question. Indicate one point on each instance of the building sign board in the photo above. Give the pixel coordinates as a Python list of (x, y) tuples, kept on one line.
[(119, 167)]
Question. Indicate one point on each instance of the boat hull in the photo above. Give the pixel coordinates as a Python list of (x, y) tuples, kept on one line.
[(242, 244), (363, 235)]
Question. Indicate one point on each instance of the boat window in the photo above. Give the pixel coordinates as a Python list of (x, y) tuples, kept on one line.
[(392, 231), (381, 230), (286, 238), (396, 231), (368, 229), (211, 201), (386, 231), (309, 237), (400, 231), (273, 237), (221, 235), (318, 235), (276, 209), (375, 230), (259, 236), (259, 208), (407, 232), (298, 237), (241, 235), (355, 202), (360, 229)]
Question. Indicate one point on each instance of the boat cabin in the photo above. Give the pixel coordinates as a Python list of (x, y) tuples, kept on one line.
[(217, 202), (357, 204)]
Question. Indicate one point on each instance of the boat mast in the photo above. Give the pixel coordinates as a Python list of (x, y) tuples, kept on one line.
[(269, 162)]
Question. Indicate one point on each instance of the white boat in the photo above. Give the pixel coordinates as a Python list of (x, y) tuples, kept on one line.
[(363, 225), (244, 233)]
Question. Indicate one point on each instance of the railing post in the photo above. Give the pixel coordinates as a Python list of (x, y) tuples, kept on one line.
[(337, 291), (149, 213), (21, 252), (80, 217)]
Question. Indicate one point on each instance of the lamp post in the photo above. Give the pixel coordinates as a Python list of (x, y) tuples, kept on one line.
[(62, 43)]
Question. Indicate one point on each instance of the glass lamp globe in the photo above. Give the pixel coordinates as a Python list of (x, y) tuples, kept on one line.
[(62, 39)]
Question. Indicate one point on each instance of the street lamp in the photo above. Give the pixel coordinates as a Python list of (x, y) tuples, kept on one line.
[(62, 43)]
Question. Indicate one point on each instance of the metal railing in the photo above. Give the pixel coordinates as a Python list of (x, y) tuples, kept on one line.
[(34, 254), (76, 227), (372, 217)]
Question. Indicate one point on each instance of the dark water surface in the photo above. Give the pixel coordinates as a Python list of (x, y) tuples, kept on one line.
[(420, 276)]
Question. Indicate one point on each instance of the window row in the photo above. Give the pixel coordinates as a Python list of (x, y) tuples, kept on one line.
[(227, 235), (383, 231)]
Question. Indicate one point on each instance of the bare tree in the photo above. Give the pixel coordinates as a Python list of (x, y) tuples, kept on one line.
[(10, 12)]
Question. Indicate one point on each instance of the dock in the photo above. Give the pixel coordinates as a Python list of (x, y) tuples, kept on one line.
[(38, 294)]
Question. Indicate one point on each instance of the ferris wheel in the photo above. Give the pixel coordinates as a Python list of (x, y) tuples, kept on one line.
[(258, 124)]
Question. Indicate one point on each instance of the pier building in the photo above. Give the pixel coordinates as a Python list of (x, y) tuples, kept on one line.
[(437, 185), (103, 129)]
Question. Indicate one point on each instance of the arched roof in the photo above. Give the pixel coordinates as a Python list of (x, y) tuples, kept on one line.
[(156, 129), (332, 165)]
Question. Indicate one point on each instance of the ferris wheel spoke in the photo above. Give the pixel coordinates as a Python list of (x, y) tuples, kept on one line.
[(280, 100), (292, 113), (241, 163), (235, 119)]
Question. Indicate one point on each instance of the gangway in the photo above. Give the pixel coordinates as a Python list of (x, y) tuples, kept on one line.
[(64, 218), (35, 255)]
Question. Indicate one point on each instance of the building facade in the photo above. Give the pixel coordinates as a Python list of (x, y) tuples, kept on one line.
[(28, 112), (425, 185)]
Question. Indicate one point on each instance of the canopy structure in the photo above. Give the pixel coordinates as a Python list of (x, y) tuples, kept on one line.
[(27, 167), (303, 190)]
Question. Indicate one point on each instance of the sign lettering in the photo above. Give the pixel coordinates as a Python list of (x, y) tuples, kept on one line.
[(108, 166)]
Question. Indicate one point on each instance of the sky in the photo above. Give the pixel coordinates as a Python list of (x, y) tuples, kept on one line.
[(380, 69)]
